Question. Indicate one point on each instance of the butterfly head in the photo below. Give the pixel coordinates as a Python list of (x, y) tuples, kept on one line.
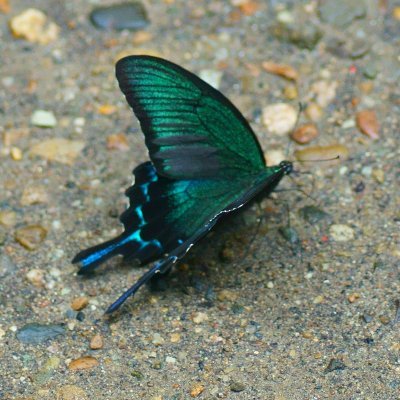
[(287, 167)]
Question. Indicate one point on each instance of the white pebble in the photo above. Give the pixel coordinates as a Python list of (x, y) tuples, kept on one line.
[(170, 360), (285, 17), (8, 81), (157, 339), (212, 77), (274, 157), (367, 170), (44, 119), (279, 118), (79, 121), (199, 317), (341, 233), (58, 253), (56, 224), (348, 123), (324, 92)]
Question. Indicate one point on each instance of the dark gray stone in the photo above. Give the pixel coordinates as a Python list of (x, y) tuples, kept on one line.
[(313, 214), (131, 16), (37, 333), (341, 12)]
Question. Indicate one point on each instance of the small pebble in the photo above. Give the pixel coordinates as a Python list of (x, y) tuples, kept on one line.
[(353, 297), (96, 342), (170, 360), (313, 112), (378, 175), (307, 335), (43, 119), (58, 149), (291, 92), (131, 16), (328, 153), (47, 370), (117, 141), (396, 13), (137, 374), (305, 133), (319, 299), (71, 392), (366, 87), (248, 7), (30, 236), (366, 170), (286, 71), (384, 319), (175, 338), (39, 333), (348, 124), (5, 6), (289, 234), (8, 218), (297, 28), (34, 195), (341, 13), (237, 387), (370, 71), (7, 267), (107, 109), (279, 118), (157, 340), (36, 277), (341, 233), (274, 157), (350, 47), (313, 214), (368, 124), (212, 77), (79, 303), (196, 390), (335, 365), (81, 363), (367, 318), (16, 153), (228, 295), (285, 17), (33, 25), (141, 37), (324, 92), (199, 317)]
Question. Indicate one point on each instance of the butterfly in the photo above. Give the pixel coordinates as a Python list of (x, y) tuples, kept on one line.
[(205, 163)]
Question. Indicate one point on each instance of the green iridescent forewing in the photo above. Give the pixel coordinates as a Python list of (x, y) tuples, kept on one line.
[(191, 129)]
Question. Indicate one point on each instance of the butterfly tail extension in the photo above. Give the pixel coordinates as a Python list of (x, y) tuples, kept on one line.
[(92, 257), (159, 267)]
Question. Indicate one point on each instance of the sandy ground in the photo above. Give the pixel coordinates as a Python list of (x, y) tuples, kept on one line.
[(247, 315)]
